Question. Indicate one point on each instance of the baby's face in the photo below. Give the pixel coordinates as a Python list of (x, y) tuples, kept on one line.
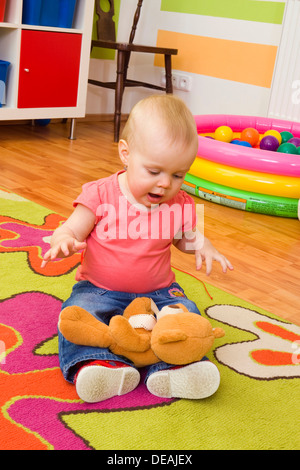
[(156, 168)]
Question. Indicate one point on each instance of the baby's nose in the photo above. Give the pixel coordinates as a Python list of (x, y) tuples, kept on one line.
[(165, 181)]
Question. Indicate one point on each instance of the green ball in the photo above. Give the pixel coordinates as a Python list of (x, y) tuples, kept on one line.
[(298, 150), (285, 135), (287, 148)]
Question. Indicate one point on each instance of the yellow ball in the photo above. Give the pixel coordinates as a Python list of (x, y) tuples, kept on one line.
[(274, 134), (224, 133)]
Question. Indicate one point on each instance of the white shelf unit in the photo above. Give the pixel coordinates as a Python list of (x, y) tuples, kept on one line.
[(11, 36)]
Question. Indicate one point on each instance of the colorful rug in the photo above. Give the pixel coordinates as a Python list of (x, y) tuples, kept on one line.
[(256, 406)]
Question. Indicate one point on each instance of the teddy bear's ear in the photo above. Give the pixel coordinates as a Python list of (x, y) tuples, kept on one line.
[(218, 332)]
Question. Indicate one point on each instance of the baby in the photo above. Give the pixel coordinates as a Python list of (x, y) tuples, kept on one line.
[(125, 224)]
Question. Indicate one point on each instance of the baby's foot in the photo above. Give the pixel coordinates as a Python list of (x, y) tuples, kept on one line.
[(194, 381), (99, 380)]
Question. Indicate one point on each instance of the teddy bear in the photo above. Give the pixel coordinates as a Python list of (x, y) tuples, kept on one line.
[(143, 334), (181, 337), (127, 335)]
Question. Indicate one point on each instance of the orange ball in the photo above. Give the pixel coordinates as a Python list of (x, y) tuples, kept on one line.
[(250, 135)]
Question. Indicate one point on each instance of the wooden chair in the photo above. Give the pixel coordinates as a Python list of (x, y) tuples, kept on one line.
[(107, 39)]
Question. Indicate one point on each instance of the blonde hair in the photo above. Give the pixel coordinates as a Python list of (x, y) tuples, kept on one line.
[(171, 111)]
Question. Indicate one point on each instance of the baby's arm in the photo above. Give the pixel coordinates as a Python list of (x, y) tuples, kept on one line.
[(70, 237), (194, 242)]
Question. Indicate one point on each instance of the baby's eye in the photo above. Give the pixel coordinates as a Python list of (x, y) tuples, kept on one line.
[(153, 172), (178, 176)]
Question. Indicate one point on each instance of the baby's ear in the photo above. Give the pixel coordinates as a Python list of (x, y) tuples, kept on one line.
[(123, 151)]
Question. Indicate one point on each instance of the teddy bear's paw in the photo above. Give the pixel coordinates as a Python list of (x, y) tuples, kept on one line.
[(127, 337), (80, 327), (195, 381)]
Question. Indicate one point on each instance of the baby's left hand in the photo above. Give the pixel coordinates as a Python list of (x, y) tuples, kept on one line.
[(209, 253)]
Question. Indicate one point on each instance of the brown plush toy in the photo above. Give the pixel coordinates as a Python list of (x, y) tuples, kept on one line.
[(127, 335), (176, 337), (181, 337)]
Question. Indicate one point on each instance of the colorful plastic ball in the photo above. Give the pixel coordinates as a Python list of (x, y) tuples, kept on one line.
[(286, 136), (245, 144), (287, 148), (298, 150), (269, 142), (235, 141), (224, 134), (275, 134), (295, 141), (250, 135)]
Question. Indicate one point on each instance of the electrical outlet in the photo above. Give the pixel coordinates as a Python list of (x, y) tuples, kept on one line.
[(175, 80), (180, 81), (184, 83)]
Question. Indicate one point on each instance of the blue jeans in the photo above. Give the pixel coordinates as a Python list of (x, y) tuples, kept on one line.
[(104, 304)]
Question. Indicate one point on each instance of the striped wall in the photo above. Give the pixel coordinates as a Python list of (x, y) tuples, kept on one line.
[(250, 10), (241, 61), (227, 47), (221, 58), (232, 41)]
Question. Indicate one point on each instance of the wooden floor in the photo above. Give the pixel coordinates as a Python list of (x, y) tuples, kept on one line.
[(43, 165)]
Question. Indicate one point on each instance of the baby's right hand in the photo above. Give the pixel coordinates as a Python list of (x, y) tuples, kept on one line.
[(62, 249)]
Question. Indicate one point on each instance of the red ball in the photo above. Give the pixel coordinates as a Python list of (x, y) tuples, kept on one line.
[(250, 135)]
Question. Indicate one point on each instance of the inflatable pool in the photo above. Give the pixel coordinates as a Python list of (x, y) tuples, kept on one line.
[(246, 178)]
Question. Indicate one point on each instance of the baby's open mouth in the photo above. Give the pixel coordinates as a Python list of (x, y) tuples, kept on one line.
[(154, 197)]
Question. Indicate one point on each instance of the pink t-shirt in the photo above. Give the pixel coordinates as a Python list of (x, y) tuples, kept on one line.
[(129, 248)]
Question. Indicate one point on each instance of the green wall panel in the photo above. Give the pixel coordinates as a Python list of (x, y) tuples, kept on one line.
[(251, 10)]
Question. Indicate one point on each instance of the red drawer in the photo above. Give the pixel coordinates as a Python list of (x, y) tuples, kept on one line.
[(49, 69)]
